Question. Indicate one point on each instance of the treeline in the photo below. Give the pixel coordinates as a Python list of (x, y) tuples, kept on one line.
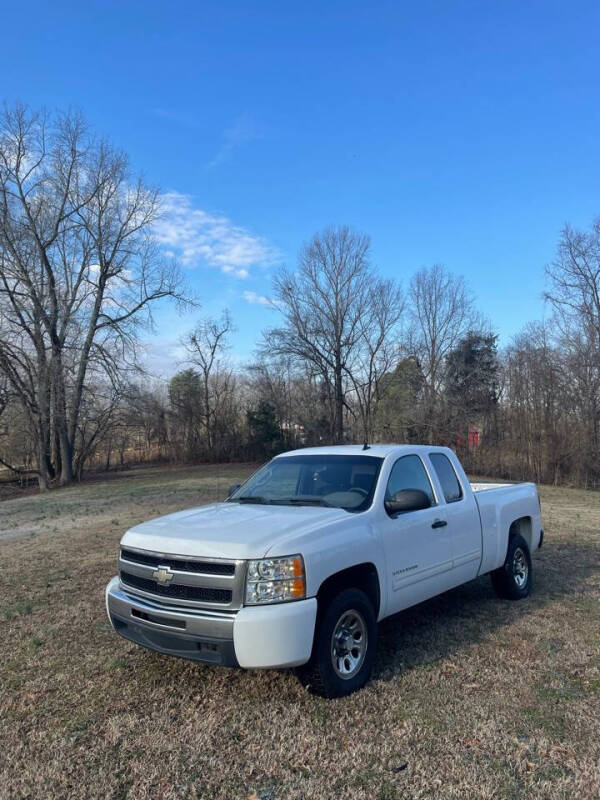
[(528, 412), (351, 357)]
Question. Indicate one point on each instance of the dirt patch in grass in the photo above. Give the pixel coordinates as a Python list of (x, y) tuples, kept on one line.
[(472, 697)]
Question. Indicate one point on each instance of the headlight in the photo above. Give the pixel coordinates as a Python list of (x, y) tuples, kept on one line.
[(275, 580)]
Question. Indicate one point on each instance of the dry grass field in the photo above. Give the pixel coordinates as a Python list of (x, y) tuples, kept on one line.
[(472, 697)]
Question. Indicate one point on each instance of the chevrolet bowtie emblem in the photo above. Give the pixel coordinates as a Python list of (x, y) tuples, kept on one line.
[(162, 575)]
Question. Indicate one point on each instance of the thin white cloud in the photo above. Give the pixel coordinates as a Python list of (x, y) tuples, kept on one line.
[(178, 117), (196, 238), (260, 299), (239, 273), (243, 130)]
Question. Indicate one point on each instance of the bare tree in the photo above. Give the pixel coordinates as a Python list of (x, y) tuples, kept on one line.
[(4, 394), (79, 271), (442, 312), (99, 408), (272, 380), (377, 351), (4, 400), (206, 346), (574, 293), (328, 307), (538, 429), (574, 279)]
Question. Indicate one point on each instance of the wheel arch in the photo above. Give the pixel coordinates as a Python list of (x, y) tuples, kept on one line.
[(362, 576), (523, 526)]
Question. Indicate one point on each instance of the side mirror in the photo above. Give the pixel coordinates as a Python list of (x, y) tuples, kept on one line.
[(407, 500), (233, 488)]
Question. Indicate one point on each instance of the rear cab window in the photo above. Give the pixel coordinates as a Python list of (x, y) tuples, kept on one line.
[(447, 477)]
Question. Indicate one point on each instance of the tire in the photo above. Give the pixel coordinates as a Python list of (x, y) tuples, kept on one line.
[(512, 581), (344, 647)]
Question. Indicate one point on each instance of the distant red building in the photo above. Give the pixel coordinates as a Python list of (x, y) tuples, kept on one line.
[(473, 439)]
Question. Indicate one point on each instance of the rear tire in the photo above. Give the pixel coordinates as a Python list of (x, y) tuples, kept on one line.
[(344, 647), (512, 581)]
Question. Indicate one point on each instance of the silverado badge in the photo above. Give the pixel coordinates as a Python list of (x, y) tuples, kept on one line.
[(162, 575)]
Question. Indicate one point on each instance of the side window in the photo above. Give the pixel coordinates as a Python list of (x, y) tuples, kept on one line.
[(409, 473), (445, 472)]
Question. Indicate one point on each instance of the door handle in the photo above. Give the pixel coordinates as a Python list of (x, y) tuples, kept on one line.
[(439, 523)]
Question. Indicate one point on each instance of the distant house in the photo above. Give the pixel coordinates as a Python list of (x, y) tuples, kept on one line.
[(473, 438)]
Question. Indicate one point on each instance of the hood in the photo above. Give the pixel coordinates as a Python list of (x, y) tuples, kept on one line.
[(229, 530)]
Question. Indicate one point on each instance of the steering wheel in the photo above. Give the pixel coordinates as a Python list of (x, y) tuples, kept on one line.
[(359, 489)]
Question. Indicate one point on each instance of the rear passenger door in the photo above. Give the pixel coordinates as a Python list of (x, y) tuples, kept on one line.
[(462, 517), (417, 548)]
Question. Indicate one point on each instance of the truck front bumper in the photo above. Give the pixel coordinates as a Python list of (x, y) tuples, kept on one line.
[(254, 637)]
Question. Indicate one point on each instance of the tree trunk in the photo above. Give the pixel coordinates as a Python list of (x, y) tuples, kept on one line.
[(43, 477), (339, 403), (66, 458)]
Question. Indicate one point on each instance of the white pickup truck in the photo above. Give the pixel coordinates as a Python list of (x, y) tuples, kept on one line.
[(300, 562)]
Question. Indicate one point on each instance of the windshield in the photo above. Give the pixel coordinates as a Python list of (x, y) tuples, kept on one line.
[(346, 482)]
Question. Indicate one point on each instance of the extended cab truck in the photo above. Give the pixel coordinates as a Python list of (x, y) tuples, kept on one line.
[(299, 563)]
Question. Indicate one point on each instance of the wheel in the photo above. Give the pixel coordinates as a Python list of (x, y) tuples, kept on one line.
[(344, 648), (513, 580)]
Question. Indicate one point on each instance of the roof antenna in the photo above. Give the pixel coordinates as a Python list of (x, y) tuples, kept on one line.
[(366, 446)]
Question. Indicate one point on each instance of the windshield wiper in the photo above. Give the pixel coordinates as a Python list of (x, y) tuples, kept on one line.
[(299, 500), (250, 498)]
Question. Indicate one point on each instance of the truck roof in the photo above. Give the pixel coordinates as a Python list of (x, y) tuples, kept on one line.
[(378, 450)]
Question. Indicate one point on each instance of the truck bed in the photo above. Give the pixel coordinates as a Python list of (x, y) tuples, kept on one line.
[(499, 505), (480, 486)]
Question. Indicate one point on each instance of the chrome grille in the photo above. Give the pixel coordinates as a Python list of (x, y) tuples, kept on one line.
[(195, 583), (176, 590), (185, 565)]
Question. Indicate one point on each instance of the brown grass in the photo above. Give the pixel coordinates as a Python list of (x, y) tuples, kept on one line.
[(472, 697)]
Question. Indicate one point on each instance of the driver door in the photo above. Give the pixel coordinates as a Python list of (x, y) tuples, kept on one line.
[(417, 543)]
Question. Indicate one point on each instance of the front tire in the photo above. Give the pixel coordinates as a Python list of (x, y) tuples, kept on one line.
[(344, 648), (513, 580)]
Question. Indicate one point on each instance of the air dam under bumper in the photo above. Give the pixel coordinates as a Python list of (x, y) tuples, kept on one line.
[(268, 636)]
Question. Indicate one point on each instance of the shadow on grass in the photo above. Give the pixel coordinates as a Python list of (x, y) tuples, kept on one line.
[(418, 638), (449, 623)]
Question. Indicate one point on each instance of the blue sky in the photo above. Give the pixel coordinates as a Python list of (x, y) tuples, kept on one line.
[(464, 133)]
